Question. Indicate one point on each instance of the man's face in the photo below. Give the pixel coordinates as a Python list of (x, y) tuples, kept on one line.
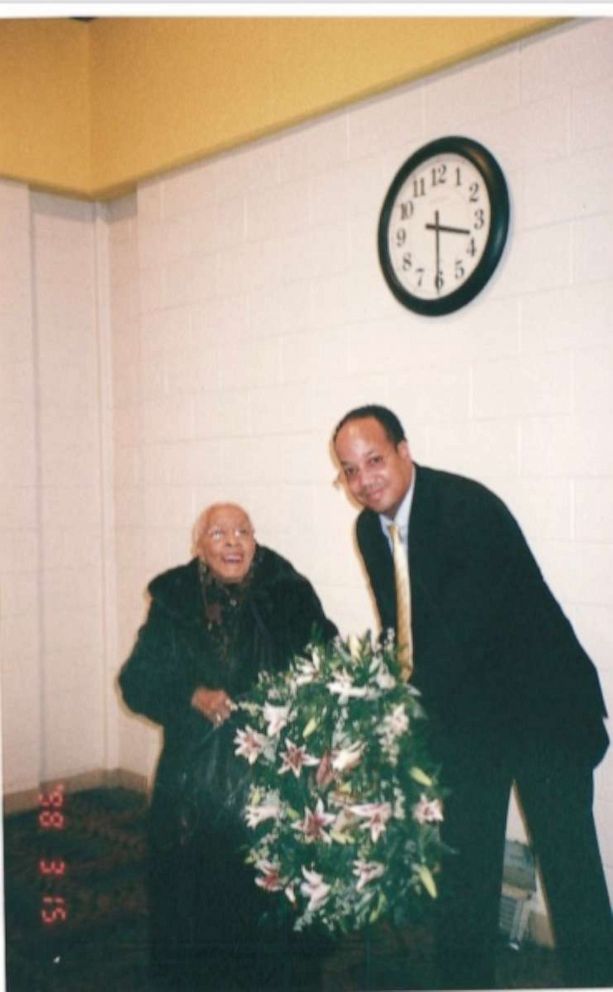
[(377, 473), (227, 543)]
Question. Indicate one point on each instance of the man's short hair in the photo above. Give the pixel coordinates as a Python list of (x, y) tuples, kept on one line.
[(388, 420)]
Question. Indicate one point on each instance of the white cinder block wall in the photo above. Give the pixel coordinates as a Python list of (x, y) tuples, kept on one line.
[(253, 314), (51, 630), (70, 497), (247, 314), (20, 602)]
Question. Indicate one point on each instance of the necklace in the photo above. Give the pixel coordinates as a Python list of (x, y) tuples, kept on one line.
[(223, 607)]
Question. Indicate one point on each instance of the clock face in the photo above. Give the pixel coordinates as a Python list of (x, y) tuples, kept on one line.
[(443, 225)]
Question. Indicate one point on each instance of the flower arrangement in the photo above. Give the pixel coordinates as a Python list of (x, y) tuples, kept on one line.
[(344, 804)]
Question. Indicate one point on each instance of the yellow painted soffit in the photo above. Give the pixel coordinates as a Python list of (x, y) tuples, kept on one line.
[(91, 109), (45, 112), (171, 91)]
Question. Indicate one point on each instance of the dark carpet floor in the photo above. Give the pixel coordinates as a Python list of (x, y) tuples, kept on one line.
[(95, 939)]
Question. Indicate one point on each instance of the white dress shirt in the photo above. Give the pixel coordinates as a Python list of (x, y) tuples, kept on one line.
[(402, 516)]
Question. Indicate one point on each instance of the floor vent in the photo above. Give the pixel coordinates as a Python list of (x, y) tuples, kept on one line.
[(518, 888)]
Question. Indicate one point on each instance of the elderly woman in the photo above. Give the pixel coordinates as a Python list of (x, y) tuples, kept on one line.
[(236, 609)]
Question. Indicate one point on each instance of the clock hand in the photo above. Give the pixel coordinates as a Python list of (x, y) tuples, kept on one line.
[(442, 227), (438, 248)]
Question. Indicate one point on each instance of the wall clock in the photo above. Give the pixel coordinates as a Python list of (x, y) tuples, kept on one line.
[(443, 225)]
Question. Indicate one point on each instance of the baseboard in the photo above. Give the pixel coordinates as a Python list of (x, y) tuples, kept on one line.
[(99, 778), (20, 802), (121, 778)]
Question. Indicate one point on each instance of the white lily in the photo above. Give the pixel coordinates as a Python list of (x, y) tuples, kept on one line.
[(428, 810), (249, 744), (384, 678), (257, 813), (342, 831), (294, 758), (270, 880), (396, 722), (307, 669), (376, 816), (313, 827), (343, 687), (314, 888), (276, 717), (347, 758)]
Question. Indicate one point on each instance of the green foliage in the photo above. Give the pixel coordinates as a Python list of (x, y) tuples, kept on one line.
[(345, 803)]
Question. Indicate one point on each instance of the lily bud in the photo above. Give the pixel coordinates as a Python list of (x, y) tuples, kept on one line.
[(354, 646)]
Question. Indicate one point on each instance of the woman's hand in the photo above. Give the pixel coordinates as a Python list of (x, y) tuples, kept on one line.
[(214, 704)]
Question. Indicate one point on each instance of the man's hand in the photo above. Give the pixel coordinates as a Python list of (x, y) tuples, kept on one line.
[(214, 704)]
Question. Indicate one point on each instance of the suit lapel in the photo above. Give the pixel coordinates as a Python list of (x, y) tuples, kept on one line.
[(379, 564), (424, 532), (426, 557)]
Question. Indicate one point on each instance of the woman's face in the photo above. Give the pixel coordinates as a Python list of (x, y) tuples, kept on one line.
[(227, 543)]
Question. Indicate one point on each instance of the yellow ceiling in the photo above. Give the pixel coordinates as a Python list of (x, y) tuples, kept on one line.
[(90, 108)]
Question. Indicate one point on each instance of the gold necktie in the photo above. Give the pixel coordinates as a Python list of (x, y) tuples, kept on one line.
[(404, 637)]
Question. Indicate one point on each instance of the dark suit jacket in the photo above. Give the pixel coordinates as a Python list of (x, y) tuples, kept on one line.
[(495, 657)]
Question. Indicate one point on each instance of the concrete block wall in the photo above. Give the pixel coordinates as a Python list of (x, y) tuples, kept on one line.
[(199, 340), (259, 315), (20, 607), (68, 370), (51, 622)]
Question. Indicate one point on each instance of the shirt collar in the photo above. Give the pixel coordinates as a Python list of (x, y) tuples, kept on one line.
[(401, 519)]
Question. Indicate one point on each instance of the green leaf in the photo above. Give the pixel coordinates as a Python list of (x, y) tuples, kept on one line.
[(376, 912)]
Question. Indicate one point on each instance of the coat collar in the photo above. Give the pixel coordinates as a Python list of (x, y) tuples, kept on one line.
[(178, 590)]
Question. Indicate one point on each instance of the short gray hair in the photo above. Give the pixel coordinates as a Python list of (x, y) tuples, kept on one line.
[(202, 521)]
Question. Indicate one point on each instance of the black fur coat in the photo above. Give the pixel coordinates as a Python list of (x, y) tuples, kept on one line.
[(199, 632)]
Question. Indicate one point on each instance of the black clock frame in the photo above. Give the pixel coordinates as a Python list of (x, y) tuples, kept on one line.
[(496, 186)]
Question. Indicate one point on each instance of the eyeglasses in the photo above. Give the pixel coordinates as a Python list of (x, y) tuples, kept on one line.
[(218, 534), (347, 475)]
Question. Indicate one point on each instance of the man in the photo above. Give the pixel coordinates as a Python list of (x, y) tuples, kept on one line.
[(511, 694)]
